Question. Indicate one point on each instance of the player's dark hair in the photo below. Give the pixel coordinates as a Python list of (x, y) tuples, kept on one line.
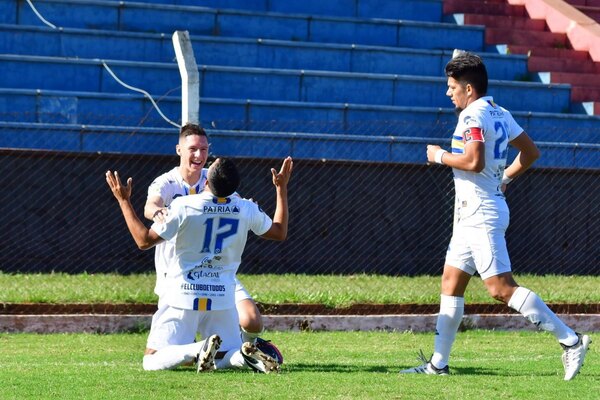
[(223, 177), (468, 68), (191, 129)]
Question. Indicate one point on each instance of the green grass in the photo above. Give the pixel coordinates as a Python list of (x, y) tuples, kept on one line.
[(318, 365), (331, 290)]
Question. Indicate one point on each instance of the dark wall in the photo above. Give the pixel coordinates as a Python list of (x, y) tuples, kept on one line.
[(59, 215)]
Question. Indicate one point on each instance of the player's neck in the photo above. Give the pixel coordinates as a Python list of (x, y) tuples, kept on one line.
[(190, 177), (473, 99)]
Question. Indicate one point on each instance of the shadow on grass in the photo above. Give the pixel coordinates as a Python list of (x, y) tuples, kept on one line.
[(382, 369), (292, 368), (339, 368)]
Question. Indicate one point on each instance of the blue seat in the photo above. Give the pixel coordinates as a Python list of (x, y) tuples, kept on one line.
[(413, 10), (118, 139), (267, 84), (85, 43), (238, 23), (94, 108)]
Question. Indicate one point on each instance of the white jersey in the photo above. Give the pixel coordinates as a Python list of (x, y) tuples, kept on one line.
[(483, 121), (169, 186), (209, 235)]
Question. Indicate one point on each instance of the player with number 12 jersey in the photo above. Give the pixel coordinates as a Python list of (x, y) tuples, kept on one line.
[(202, 274)]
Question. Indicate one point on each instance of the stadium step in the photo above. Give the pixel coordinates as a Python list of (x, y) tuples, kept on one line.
[(267, 84), (488, 7), (140, 17), (554, 64), (256, 144), (552, 52), (585, 94), (575, 79), (413, 10), (94, 108), (505, 21), (82, 43), (106, 109), (525, 37)]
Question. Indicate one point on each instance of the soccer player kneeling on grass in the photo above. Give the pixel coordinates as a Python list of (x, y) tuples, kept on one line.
[(190, 178), (478, 160), (210, 232)]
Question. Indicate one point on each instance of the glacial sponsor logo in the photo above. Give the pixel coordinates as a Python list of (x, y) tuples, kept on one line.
[(199, 274), (205, 269)]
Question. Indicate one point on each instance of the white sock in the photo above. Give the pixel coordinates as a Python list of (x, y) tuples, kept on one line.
[(249, 336), (231, 359), (171, 356), (535, 310), (452, 309)]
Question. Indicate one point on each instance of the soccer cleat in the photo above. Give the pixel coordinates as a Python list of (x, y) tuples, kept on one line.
[(267, 347), (426, 368), (573, 356), (206, 356), (257, 360)]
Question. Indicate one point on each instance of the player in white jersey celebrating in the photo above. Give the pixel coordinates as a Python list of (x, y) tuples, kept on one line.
[(478, 161), (189, 178), (209, 232)]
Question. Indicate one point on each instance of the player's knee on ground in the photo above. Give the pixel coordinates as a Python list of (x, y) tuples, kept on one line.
[(150, 363)]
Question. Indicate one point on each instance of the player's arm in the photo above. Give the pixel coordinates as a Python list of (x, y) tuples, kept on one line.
[(144, 238), (279, 228), (528, 153), (155, 209), (472, 159)]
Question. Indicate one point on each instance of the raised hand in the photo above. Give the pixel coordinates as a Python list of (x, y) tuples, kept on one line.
[(122, 193), (281, 178)]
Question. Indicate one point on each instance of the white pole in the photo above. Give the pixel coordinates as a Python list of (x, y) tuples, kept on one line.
[(190, 81)]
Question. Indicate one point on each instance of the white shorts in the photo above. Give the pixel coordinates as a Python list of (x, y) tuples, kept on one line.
[(176, 326), (240, 292), (478, 243)]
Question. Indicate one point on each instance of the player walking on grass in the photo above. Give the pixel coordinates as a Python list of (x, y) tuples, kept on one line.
[(478, 160), (209, 232), (189, 178)]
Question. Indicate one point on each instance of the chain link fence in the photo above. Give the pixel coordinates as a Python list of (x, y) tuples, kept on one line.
[(355, 214)]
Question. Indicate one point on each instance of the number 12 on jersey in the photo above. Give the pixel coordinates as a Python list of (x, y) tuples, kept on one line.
[(220, 234)]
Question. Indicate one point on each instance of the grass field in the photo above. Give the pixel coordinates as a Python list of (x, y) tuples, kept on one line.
[(324, 365), (331, 290), (318, 365)]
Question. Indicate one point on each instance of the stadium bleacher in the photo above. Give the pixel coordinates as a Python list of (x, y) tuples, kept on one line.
[(330, 70)]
